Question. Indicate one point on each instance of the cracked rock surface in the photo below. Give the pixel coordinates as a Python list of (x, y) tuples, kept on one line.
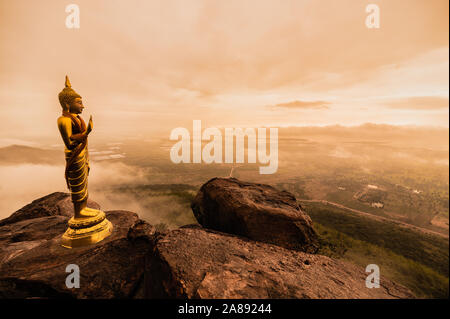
[(192, 262)]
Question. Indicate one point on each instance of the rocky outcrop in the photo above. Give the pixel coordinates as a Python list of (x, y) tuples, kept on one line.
[(256, 211), (137, 261), (192, 262), (33, 262)]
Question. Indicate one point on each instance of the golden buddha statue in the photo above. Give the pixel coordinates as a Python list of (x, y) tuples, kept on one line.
[(88, 225)]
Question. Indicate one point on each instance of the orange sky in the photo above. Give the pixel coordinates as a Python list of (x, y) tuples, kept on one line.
[(150, 66)]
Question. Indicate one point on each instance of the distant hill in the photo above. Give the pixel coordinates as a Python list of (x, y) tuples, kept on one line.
[(435, 138), (20, 154)]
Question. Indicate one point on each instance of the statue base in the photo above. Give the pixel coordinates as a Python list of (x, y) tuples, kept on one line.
[(86, 231)]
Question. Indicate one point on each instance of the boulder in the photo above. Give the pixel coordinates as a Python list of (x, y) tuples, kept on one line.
[(33, 262), (192, 262), (256, 211)]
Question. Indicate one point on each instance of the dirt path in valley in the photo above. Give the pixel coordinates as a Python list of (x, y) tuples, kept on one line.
[(380, 218)]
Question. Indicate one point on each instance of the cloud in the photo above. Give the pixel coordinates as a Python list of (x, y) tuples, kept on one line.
[(141, 62), (24, 183), (305, 104), (21, 184), (419, 103)]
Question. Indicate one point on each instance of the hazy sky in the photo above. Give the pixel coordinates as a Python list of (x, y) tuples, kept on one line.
[(150, 66)]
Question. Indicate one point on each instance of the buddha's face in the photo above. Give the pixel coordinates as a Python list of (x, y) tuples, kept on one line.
[(76, 106)]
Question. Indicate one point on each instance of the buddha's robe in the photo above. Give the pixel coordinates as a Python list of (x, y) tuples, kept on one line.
[(76, 152)]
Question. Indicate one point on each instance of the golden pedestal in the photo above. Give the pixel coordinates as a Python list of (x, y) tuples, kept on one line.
[(86, 231)]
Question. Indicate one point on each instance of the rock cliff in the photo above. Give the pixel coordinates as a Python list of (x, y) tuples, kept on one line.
[(255, 242), (256, 211)]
